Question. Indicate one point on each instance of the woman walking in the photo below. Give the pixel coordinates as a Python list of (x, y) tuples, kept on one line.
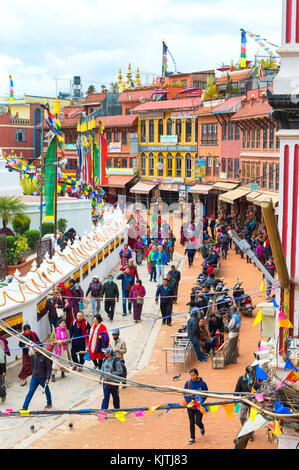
[(139, 251), (195, 416), (137, 295), (61, 338), (67, 296), (26, 370), (146, 257), (98, 339)]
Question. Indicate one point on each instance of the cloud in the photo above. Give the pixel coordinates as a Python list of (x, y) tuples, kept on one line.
[(46, 41)]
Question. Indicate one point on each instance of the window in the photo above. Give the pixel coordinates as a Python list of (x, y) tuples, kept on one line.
[(109, 163), (117, 162), (169, 127), (21, 135), (209, 134), (277, 138), (178, 165), (224, 131), (178, 129), (277, 178), (124, 163), (188, 164), (264, 178), (108, 137), (231, 131), (253, 139), (258, 138), (216, 166), (151, 131), (169, 165), (124, 137), (244, 140), (151, 164), (237, 132), (209, 163), (265, 137), (143, 164), (248, 138), (160, 129), (271, 176), (230, 168), (243, 172), (252, 176), (271, 136), (188, 134), (116, 136), (223, 165), (160, 162), (247, 172), (237, 168), (258, 174), (143, 132)]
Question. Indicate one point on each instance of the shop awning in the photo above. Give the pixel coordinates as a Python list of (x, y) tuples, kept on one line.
[(264, 196), (231, 196), (252, 196), (118, 181), (142, 188), (224, 186), (200, 189)]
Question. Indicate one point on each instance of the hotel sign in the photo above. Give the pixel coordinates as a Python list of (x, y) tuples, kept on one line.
[(168, 148), (115, 147), (169, 139)]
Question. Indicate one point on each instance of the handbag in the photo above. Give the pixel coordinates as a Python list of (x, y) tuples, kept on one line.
[(50, 347), (81, 305), (140, 300), (87, 356), (129, 287)]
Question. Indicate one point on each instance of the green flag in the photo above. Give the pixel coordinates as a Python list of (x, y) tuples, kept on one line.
[(96, 162), (50, 182)]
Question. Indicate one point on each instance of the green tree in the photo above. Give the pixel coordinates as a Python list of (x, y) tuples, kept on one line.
[(210, 90), (10, 206), (91, 89)]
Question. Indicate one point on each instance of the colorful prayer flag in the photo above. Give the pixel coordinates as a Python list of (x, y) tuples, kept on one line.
[(258, 318), (11, 92)]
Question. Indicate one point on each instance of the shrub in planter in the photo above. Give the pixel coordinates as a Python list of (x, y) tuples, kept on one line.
[(47, 227), (32, 237), (16, 247), (21, 223), (61, 225)]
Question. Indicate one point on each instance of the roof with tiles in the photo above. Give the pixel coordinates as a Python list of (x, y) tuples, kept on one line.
[(236, 76), (189, 103)]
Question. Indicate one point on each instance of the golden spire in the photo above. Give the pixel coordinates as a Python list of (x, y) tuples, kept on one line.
[(137, 80), (120, 82), (129, 75)]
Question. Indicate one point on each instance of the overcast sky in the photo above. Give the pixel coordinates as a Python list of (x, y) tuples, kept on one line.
[(45, 41)]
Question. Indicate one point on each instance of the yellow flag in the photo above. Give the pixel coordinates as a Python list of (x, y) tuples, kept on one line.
[(263, 287), (213, 409), (253, 413), (120, 415), (285, 324), (277, 430), (229, 409), (24, 412), (258, 318), (153, 408)]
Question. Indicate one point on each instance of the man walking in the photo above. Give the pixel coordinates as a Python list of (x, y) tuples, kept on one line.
[(175, 274), (193, 334), (112, 365), (244, 385), (127, 282), (120, 348), (233, 337), (160, 258), (79, 331), (111, 293), (95, 288), (153, 272), (194, 414), (166, 294), (41, 373)]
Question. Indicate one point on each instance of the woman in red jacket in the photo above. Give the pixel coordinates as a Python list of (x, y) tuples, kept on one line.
[(98, 339), (67, 297)]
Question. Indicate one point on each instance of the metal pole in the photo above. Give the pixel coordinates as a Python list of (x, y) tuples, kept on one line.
[(41, 176)]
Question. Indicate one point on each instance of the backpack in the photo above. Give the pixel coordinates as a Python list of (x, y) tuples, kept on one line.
[(238, 322), (123, 374)]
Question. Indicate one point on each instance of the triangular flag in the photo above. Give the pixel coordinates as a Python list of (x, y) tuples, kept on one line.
[(274, 302), (280, 385), (24, 412), (281, 316), (292, 377), (263, 287), (172, 404), (259, 397), (258, 318), (237, 408), (203, 410), (139, 414), (229, 409), (213, 409), (253, 390), (277, 430), (285, 324), (260, 374), (253, 413), (154, 408), (120, 415), (279, 408), (102, 415), (289, 365)]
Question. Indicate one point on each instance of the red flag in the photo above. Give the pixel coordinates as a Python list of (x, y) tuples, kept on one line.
[(103, 160)]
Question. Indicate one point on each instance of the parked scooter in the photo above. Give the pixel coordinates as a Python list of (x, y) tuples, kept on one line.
[(242, 301), (224, 302)]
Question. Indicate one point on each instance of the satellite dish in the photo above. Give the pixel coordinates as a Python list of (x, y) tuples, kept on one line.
[(160, 166)]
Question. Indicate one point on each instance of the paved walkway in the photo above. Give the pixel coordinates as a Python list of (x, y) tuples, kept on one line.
[(72, 391)]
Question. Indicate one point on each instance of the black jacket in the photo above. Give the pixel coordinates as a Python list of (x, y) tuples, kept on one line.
[(41, 366)]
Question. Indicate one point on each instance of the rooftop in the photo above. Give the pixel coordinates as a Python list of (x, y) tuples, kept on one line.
[(123, 120), (231, 105), (253, 108), (135, 95), (236, 76), (181, 104)]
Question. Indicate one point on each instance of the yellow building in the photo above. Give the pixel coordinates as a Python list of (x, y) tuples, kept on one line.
[(21, 108), (168, 143)]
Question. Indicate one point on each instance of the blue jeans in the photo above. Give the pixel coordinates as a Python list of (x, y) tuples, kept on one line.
[(211, 344), (34, 383), (196, 346), (125, 300), (160, 273), (110, 390), (95, 306), (153, 273)]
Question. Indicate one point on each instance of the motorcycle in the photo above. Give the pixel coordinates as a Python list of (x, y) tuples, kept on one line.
[(242, 301), (224, 302)]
